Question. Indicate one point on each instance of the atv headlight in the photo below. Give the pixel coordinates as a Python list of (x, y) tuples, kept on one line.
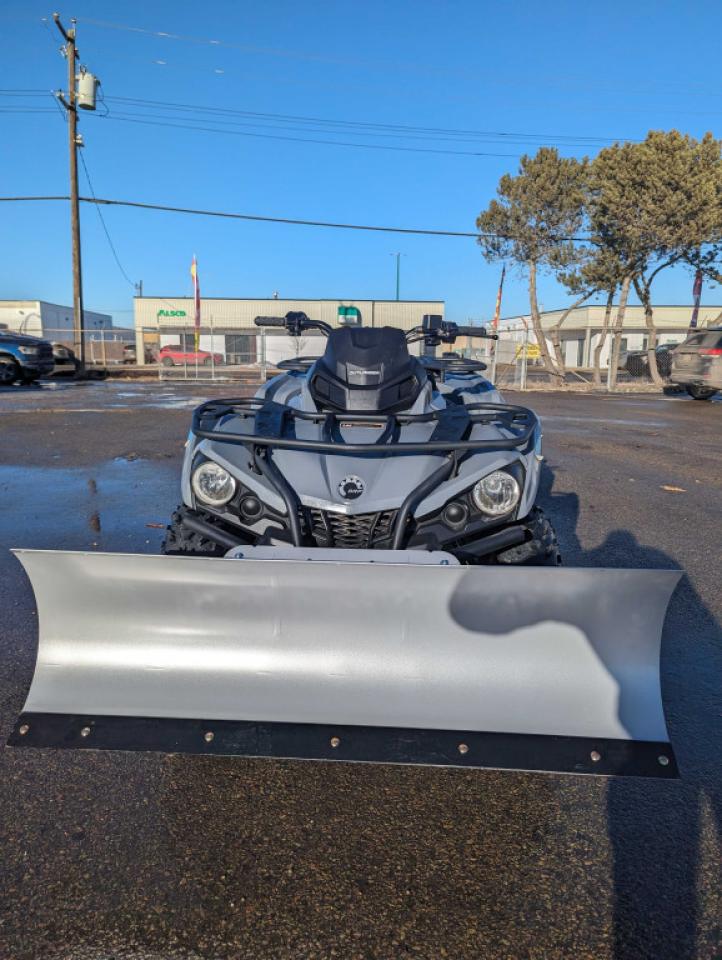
[(29, 351), (497, 493), (213, 484)]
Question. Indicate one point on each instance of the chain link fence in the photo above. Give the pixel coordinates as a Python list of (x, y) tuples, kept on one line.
[(515, 360), (245, 355), (252, 354), (240, 354)]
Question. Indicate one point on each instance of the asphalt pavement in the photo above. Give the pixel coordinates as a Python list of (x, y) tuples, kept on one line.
[(151, 857)]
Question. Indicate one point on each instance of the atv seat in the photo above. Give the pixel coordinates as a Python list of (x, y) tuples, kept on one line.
[(367, 370)]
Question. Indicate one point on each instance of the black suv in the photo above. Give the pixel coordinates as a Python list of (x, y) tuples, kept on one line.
[(24, 358)]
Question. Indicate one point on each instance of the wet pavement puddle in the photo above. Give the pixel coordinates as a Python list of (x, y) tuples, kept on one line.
[(101, 507)]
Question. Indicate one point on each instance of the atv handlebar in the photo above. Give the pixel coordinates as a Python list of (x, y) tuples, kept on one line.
[(435, 331), (270, 321), (295, 323), (475, 332)]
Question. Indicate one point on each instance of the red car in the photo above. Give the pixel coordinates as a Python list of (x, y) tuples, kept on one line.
[(173, 354)]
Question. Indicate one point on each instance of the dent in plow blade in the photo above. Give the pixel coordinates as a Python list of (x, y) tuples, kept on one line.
[(530, 669)]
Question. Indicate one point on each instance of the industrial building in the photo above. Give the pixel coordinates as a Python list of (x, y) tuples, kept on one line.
[(227, 326), (52, 321), (581, 330)]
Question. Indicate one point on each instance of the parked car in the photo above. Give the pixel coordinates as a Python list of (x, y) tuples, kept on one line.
[(130, 354), (697, 363), (636, 362), (64, 360), (24, 358), (173, 354)]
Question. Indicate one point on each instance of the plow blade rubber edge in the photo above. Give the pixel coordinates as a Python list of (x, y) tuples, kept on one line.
[(510, 668)]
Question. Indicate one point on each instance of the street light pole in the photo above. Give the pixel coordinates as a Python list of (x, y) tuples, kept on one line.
[(398, 272)]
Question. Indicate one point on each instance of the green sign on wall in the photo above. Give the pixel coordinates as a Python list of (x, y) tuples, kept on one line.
[(171, 313), (350, 316)]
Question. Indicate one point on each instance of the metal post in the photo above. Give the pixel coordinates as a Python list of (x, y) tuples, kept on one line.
[(610, 337), (525, 358), (495, 347), (264, 368), (72, 112), (213, 351), (398, 273)]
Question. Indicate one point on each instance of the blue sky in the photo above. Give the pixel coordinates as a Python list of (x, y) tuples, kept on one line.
[(563, 73)]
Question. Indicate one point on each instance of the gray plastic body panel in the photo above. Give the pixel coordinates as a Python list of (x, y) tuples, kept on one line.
[(536, 651), (387, 479)]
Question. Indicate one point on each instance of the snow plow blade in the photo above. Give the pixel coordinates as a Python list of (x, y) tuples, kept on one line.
[(510, 668)]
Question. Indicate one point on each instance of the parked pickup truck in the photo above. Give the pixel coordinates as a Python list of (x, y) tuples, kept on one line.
[(23, 358)]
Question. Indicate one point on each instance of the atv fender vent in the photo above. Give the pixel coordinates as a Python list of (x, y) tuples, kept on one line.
[(360, 531)]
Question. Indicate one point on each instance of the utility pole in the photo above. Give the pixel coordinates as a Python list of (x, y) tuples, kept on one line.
[(84, 98), (398, 271), (139, 288)]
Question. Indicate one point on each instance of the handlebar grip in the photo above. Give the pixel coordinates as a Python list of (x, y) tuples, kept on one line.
[(270, 321), (473, 332)]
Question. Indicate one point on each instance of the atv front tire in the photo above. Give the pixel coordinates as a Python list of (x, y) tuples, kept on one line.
[(180, 541), (542, 550)]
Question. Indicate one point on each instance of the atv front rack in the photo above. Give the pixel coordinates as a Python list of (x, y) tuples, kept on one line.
[(274, 425)]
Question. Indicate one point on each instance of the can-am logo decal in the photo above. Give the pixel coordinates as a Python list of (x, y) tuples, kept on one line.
[(351, 488)]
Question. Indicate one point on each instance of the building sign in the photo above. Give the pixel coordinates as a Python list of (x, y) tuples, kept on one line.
[(349, 316), (170, 313), (533, 351)]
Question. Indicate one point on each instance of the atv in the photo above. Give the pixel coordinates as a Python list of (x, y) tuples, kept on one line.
[(368, 448), (358, 571)]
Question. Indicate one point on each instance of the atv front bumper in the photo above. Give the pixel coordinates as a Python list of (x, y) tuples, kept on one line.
[(516, 542)]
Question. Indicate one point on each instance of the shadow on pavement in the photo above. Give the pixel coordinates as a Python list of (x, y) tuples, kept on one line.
[(656, 828)]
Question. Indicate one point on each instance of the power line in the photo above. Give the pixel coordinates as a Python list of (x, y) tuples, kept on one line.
[(27, 199), (418, 231), (284, 125), (103, 223), (316, 140), (23, 111), (364, 124), (350, 126), (228, 44), (312, 57)]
